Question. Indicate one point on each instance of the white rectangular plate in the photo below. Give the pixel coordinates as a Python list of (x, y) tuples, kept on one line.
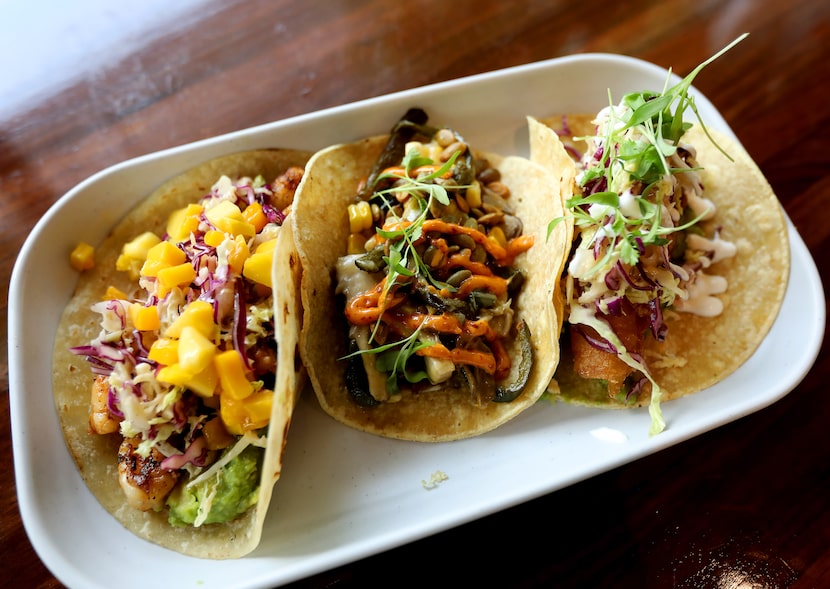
[(345, 495)]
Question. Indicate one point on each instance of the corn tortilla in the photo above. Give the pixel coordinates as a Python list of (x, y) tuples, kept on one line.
[(95, 455), (701, 351), (329, 185)]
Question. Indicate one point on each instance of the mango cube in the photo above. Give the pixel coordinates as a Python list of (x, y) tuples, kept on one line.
[(162, 255), (238, 253), (137, 248), (82, 257), (254, 215), (175, 375), (173, 276), (183, 222), (227, 217), (266, 246), (258, 266), (134, 253), (202, 383), (251, 413), (145, 318), (165, 351), (113, 293), (198, 314), (214, 238), (232, 378), (258, 408), (195, 350)]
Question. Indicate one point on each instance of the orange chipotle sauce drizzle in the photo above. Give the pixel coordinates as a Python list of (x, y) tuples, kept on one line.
[(381, 303)]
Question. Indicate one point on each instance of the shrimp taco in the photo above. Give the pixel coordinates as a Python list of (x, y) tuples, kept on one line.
[(174, 373), (427, 283), (680, 258)]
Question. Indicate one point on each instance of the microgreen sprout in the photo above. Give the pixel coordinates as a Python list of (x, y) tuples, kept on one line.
[(394, 360), (393, 357), (403, 261), (641, 135)]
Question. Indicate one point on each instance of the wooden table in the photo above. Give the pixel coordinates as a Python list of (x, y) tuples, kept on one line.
[(745, 505)]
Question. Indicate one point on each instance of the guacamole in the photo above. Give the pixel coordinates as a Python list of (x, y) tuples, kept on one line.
[(222, 497)]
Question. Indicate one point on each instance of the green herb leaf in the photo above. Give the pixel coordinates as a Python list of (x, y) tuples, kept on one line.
[(609, 199)]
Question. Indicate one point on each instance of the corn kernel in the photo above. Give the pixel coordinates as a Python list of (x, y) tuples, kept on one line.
[(418, 147), (82, 257), (497, 234), (165, 351), (356, 244), (258, 268), (145, 318), (434, 152), (198, 314), (254, 215), (232, 378), (195, 350), (360, 216), (473, 195)]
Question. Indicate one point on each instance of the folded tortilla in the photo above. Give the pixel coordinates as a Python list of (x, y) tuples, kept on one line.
[(321, 229), (96, 455), (698, 351)]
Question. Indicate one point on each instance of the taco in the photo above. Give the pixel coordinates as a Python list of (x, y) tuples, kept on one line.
[(427, 283), (680, 258), (165, 372)]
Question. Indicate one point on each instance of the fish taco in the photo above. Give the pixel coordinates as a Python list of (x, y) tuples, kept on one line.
[(174, 370), (427, 282), (680, 258)]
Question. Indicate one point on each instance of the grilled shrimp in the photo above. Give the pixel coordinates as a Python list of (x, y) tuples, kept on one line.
[(145, 483), (101, 421), (284, 187)]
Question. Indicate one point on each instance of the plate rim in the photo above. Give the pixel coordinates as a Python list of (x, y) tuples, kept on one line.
[(35, 525)]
